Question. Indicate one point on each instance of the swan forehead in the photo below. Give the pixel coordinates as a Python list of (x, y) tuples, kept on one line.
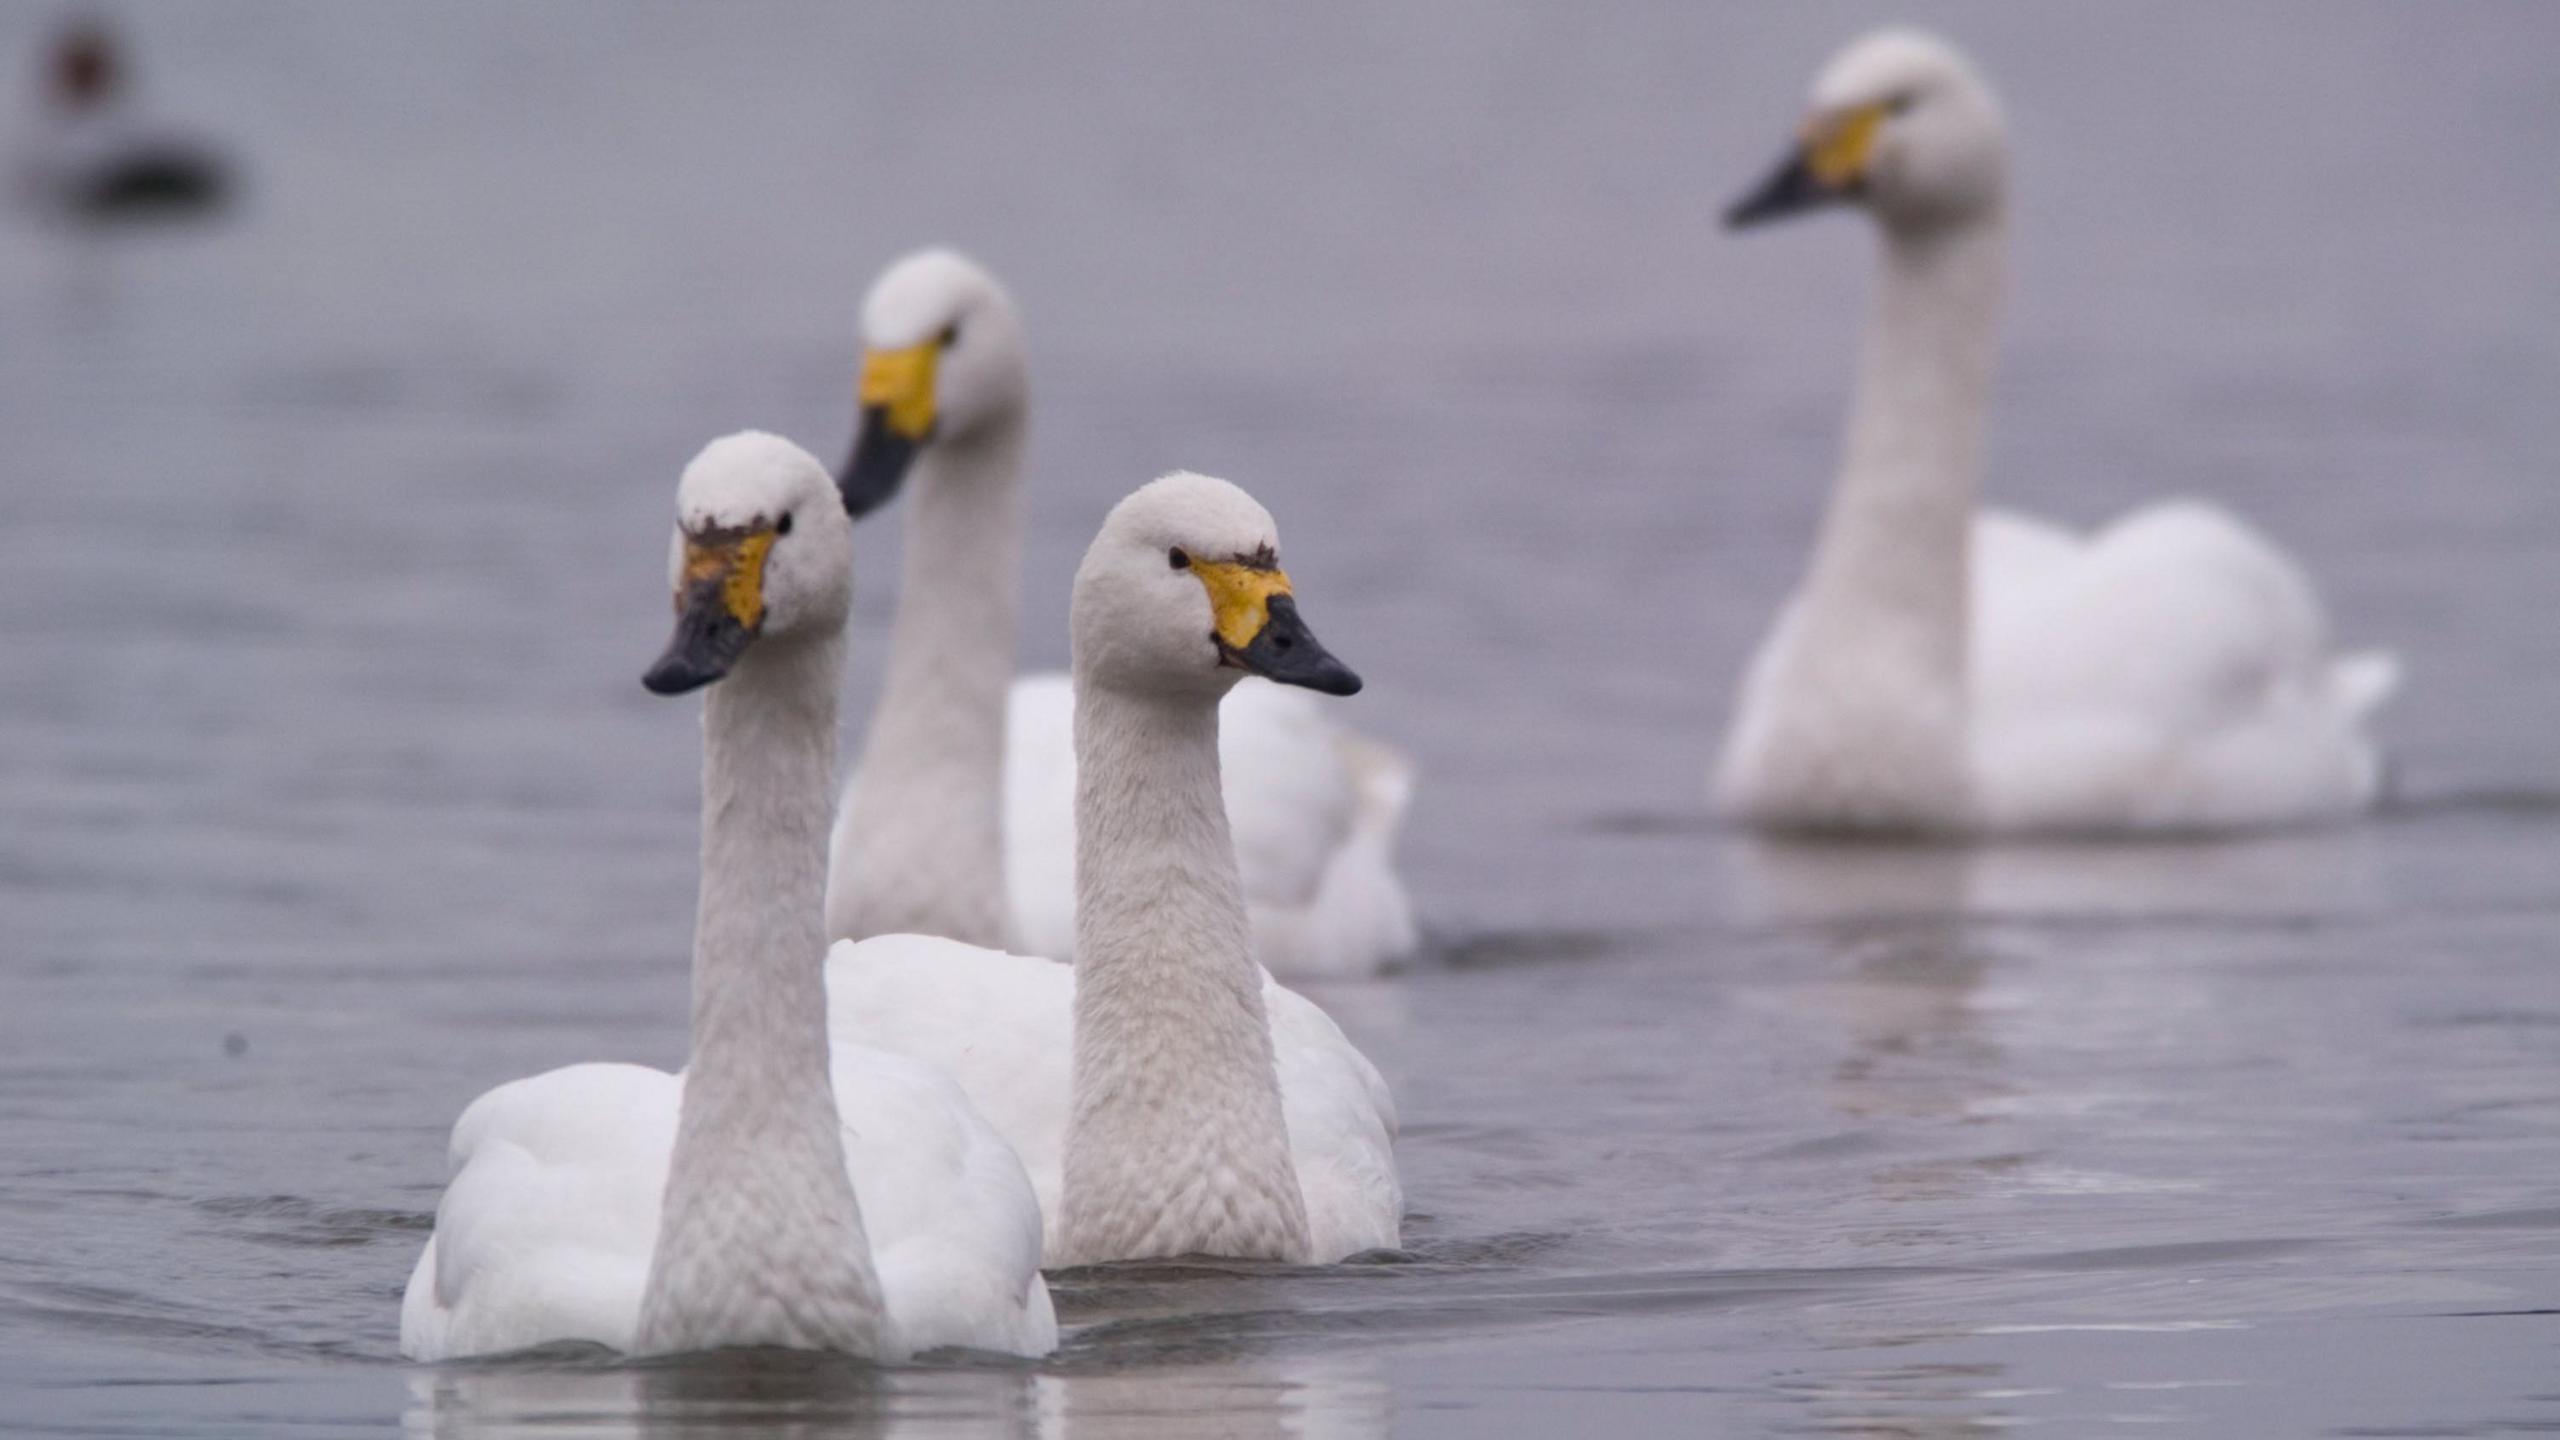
[(915, 298), (746, 479), (1887, 63), (1211, 518)]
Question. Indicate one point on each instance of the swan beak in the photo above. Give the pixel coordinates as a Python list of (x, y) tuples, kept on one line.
[(719, 609), (1258, 630), (1827, 166), (896, 397)]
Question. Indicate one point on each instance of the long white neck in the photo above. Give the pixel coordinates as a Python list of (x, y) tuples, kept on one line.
[(761, 1240), (920, 846), (1898, 534), (1875, 695), (1176, 1143)]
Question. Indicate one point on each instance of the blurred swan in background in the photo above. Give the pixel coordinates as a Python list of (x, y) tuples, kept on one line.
[(1166, 1095), (94, 159), (1946, 670), (959, 818), (786, 1190)]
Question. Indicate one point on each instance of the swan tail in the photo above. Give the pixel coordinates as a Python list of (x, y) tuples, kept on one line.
[(1383, 779), (2361, 682), (1359, 919)]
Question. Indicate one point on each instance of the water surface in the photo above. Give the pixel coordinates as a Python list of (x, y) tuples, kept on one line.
[(334, 551)]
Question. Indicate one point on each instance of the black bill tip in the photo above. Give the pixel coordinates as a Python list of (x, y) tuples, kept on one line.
[(881, 457), (677, 675), (1790, 189), (706, 645), (1288, 653)]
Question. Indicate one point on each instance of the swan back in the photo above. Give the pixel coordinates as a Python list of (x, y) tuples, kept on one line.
[(1004, 1025), (2172, 672)]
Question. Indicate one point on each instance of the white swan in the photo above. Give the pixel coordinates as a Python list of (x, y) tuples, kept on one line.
[(1944, 671), (958, 819), (785, 1190), (1168, 1097)]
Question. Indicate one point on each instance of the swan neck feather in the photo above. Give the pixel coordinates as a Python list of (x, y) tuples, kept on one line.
[(1873, 693), (760, 1241), (1176, 1142), (1896, 537)]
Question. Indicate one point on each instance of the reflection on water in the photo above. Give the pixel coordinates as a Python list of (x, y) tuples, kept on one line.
[(1909, 1402), (763, 1392), (2287, 876), (1319, 1397), (1904, 962)]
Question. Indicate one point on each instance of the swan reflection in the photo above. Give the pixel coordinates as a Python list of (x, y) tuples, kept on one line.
[(1343, 1397)]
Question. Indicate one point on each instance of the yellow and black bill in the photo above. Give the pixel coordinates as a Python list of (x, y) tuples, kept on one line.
[(898, 407), (1254, 618), (719, 608), (1827, 166)]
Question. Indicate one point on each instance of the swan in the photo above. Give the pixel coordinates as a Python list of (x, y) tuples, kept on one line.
[(959, 818), (788, 1189), (1945, 671), (1167, 1096)]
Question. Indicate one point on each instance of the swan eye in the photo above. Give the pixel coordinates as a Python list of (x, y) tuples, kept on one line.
[(1178, 558), (1900, 104), (950, 335), (783, 525)]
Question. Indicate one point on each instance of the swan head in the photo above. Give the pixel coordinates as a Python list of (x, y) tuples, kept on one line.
[(941, 364), (1900, 123), (762, 551), (1182, 594)]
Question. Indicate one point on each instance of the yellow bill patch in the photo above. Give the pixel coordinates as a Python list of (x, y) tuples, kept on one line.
[(1838, 146), (900, 383), (1239, 598), (733, 562)]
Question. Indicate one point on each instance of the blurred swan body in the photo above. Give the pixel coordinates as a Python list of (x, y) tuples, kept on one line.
[(787, 1189), (958, 819), (1947, 671), (1167, 1095)]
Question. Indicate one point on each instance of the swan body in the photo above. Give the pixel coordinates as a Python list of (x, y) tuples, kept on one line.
[(1166, 1094), (1953, 671), (788, 1189), (1005, 1026), (545, 1233), (958, 820)]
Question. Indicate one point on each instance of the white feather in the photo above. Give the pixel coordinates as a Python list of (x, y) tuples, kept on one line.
[(545, 1232), (1003, 1025)]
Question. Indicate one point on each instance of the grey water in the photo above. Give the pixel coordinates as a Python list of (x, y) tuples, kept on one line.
[(333, 551)]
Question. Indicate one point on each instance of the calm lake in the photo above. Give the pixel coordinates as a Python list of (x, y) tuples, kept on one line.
[(335, 549)]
